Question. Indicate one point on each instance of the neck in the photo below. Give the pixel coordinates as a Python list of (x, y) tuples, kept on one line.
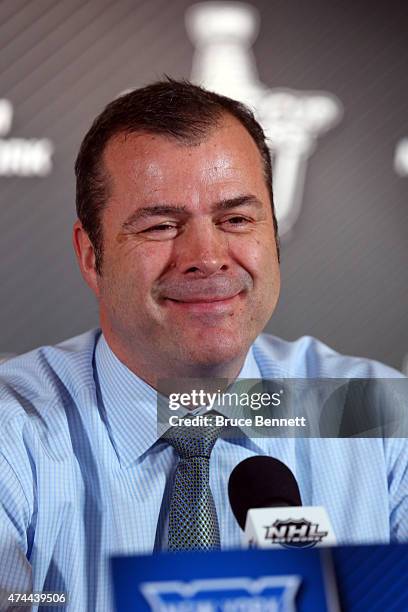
[(155, 371)]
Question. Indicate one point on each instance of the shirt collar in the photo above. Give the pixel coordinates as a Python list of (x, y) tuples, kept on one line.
[(130, 404)]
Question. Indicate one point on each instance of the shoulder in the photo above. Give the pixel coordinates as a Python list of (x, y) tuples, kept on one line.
[(31, 383), (38, 392), (308, 357)]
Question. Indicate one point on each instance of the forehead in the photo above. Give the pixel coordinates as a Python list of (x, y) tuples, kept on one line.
[(147, 164)]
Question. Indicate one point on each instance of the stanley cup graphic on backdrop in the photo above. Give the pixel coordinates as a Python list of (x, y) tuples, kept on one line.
[(223, 33)]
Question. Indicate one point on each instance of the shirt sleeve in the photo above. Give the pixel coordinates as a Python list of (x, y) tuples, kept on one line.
[(15, 569), (397, 451)]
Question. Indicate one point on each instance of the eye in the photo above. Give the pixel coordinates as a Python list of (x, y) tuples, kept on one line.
[(161, 228), (236, 222), (161, 231)]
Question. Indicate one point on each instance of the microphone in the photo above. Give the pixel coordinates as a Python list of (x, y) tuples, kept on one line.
[(261, 482), (266, 502)]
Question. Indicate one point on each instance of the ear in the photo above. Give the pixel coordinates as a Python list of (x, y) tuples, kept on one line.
[(85, 254)]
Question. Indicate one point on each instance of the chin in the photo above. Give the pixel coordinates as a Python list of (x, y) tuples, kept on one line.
[(217, 351)]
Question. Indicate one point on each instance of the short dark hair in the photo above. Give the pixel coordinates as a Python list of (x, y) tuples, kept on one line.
[(177, 109)]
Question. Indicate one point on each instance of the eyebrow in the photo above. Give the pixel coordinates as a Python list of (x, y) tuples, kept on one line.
[(152, 211), (159, 210), (245, 200)]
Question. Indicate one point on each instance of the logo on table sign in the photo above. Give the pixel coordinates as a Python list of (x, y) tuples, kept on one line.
[(223, 594), (294, 533)]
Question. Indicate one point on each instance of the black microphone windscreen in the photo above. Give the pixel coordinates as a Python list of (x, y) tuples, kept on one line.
[(261, 482)]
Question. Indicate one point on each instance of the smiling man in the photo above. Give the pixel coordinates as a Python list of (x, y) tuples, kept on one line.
[(188, 233), (177, 238)]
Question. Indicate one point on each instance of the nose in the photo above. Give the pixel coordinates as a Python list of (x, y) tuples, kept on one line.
[(201, 250)]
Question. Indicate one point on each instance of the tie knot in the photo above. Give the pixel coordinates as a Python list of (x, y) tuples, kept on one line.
[(189, 442)]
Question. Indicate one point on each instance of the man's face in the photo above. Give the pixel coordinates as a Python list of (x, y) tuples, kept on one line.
[(190, 273)]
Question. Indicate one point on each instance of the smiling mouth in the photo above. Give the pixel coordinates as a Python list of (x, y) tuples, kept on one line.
[(215, 304), (204, 300)]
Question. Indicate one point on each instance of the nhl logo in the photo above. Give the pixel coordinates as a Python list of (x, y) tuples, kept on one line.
[(294, 533)]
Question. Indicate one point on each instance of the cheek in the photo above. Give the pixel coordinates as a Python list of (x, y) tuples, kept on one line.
[(149, 262), (146, 259), (259, 257)]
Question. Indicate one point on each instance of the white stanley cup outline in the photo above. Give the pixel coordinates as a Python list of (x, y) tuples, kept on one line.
[(223, 33)]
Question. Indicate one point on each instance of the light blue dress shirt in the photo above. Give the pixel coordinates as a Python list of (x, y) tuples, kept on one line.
[(83, 475)]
